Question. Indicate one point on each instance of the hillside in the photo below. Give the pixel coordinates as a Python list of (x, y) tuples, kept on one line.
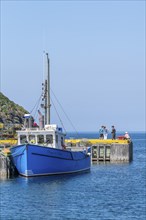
[(11, 116)]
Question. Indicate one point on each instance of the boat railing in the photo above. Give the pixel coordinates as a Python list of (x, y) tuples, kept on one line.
[(33, 129)]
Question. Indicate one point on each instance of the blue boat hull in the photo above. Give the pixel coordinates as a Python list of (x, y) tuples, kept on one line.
[(35, 160)]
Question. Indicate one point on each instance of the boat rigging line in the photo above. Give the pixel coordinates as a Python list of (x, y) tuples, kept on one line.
[(58, 115), (65, 113), (35, 108)]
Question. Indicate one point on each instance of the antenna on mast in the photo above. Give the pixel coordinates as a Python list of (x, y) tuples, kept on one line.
[(47, 91)]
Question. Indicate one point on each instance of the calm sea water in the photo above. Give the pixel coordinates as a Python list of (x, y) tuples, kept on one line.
[(108, 191)]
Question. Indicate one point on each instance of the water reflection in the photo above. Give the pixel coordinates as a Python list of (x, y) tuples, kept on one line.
[(50, 179)]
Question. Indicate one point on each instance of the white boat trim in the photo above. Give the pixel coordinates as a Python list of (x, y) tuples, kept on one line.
[(57, 173)]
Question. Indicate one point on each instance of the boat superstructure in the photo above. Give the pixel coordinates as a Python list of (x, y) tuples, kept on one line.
[(50, 136)]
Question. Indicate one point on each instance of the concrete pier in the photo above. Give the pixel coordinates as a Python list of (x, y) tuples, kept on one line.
[(105, 150), (113, 152), (7, 169)]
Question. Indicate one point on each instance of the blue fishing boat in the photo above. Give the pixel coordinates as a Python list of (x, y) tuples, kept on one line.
[(41, 150)]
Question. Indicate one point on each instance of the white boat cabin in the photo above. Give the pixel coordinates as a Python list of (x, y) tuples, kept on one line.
[(49, 136)]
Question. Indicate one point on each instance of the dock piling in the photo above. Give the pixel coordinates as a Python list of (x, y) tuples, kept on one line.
[(7, 168)]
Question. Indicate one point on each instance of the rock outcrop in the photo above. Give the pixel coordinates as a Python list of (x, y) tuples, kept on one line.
[(11, 116)]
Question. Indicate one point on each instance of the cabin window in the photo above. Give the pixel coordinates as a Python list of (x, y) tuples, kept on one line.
[(40, 139), (56, 138), (32, 139), (49, 139), (23, 139)]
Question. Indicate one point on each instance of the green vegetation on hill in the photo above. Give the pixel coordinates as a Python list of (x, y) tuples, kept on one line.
[(11, 116)]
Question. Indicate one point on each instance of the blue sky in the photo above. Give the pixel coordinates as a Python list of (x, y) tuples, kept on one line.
[(97, 55)]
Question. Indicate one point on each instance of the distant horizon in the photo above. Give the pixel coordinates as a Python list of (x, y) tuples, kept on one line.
[(88, 131)]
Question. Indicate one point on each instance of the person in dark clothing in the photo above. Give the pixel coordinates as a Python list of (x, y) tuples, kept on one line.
[(113, 133)]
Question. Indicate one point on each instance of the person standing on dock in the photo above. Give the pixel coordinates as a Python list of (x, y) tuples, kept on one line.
[(126, 136), (105, 133), (101, 132), (113, 133)]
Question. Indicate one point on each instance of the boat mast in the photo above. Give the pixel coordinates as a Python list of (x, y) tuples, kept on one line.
[(47, 91)]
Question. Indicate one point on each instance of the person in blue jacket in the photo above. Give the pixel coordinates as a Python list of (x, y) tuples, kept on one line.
[(101, 132)]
